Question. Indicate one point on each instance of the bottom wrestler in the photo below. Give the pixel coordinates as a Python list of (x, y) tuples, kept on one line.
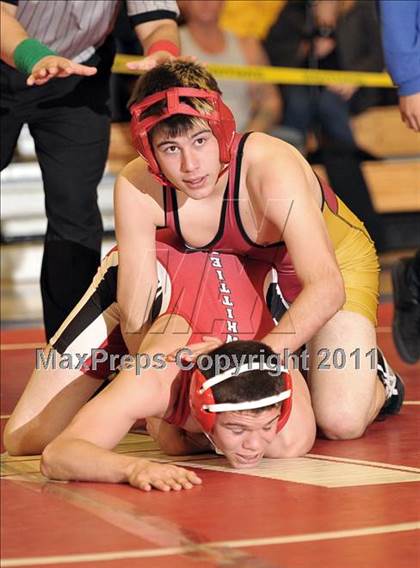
[(245, 412), (199, 294)]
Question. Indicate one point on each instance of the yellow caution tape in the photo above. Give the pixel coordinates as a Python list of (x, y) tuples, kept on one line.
[(278, 75)]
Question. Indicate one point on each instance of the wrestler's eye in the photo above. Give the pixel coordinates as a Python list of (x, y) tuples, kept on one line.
[(171, 149), (237, 432), (200, 141)]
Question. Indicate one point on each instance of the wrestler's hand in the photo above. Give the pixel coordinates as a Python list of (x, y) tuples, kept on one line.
[(147, 475), (195, 349), (54, 66)]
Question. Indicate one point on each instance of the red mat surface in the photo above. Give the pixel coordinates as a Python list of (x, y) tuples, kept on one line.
[(258, 522)]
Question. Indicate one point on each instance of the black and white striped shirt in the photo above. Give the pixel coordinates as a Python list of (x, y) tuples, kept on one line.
[(75, 28)]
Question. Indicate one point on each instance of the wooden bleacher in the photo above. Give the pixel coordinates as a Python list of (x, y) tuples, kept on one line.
[(381, 132), (394, 181), (394, 185)]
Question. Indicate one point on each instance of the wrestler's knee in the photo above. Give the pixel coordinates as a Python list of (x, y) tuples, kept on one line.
[(340, 423), (10, 442), (48, 460), (21, 442)]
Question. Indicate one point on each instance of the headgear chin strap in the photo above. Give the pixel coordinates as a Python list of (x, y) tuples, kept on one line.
[(204, 407), (220, 120)]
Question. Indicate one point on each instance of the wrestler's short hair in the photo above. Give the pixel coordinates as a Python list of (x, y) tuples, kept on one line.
[(250, 385), (175, 74)]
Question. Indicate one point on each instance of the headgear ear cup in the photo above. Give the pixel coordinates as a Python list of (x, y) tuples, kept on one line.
[(224, 130), (140, 138), (221, 122), (198, 398)]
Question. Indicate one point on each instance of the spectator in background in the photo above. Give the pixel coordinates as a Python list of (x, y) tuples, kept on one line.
[(330, 35), (69, 119), (401, 41), (250, 18), (256, 106)]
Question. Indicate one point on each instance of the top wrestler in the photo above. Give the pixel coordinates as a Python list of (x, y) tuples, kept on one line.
[(256, 196)]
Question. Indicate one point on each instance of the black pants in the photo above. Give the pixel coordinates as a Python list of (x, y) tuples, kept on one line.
[(69, 121)]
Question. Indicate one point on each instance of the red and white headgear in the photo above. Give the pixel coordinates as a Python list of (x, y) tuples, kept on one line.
[(220, 120), (204, 408)]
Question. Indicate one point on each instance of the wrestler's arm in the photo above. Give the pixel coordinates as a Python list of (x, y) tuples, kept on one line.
[(288, 191), (83, 451), (136, 219), (176, 441)]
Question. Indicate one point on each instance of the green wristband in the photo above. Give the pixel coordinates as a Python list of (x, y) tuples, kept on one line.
[(28, 53)]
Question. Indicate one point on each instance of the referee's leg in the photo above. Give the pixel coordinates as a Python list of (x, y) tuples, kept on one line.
[(10, 123), (72, 147)]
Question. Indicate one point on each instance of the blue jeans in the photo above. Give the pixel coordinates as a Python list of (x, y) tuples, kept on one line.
[(316, 108)]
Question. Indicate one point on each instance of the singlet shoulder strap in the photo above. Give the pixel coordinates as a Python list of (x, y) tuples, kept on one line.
[(239, 136), (236, 159), (234, 175), (169, 204)]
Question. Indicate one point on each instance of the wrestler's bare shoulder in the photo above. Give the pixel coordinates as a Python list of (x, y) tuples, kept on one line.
[(261, 148), (267, 158), (136, 173)]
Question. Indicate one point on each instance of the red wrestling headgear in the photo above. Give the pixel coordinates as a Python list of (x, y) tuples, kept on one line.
[(220, 120), (204, 407)]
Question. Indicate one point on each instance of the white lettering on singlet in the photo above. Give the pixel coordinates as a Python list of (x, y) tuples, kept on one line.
[(216, 262), (232, 326), (223, 288), (230, 338), (229, 312), (226, 300)]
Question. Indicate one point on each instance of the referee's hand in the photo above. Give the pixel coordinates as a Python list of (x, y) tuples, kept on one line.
[(54, 66)]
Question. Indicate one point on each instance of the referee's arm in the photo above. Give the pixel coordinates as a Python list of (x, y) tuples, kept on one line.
[(11, 34)]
